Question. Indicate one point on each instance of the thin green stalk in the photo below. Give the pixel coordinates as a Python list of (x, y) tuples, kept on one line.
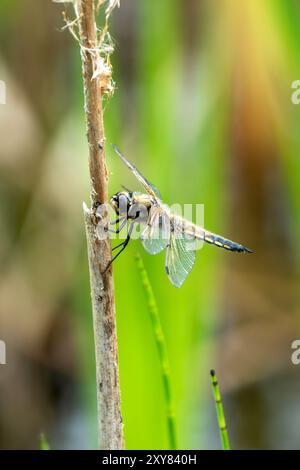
[(220, 411), (43, 444), (162, 351)]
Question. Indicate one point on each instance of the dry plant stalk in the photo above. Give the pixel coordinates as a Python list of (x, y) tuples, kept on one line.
[(99, 251)]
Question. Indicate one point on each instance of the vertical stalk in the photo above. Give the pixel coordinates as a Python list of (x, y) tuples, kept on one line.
[(99, 250), (220, 411), (162, 352)]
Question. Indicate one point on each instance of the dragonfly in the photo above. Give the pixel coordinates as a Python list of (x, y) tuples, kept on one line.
[(163, 228)]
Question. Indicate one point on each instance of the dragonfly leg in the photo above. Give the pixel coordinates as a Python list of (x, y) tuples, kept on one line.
[(120, 226), (117, 221), (118, 246), (122, 245)]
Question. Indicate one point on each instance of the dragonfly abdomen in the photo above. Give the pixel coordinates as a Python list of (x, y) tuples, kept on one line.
[(221, 242)]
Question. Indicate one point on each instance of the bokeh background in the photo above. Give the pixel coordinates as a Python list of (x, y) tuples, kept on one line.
[(203, 107)]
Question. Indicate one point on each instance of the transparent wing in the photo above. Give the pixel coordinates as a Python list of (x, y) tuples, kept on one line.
[(155, 237), (180, 256), (150, 188)]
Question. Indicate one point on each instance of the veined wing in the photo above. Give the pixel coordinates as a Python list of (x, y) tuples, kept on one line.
[(180, 255), (155, 237), (150, 188)]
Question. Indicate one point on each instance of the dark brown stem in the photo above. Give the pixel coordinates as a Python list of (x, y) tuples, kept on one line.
[(99, 251)]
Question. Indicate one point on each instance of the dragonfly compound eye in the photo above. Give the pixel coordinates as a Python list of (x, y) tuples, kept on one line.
[(121, 203)]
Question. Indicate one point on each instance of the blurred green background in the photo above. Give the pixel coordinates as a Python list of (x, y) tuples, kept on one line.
[(203, 107)]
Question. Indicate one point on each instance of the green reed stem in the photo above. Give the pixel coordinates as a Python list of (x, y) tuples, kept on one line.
[(43, 443), (220, 411), (162, 351)]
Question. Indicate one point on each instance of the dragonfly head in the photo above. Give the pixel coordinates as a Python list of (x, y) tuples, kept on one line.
[(121, 202)]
